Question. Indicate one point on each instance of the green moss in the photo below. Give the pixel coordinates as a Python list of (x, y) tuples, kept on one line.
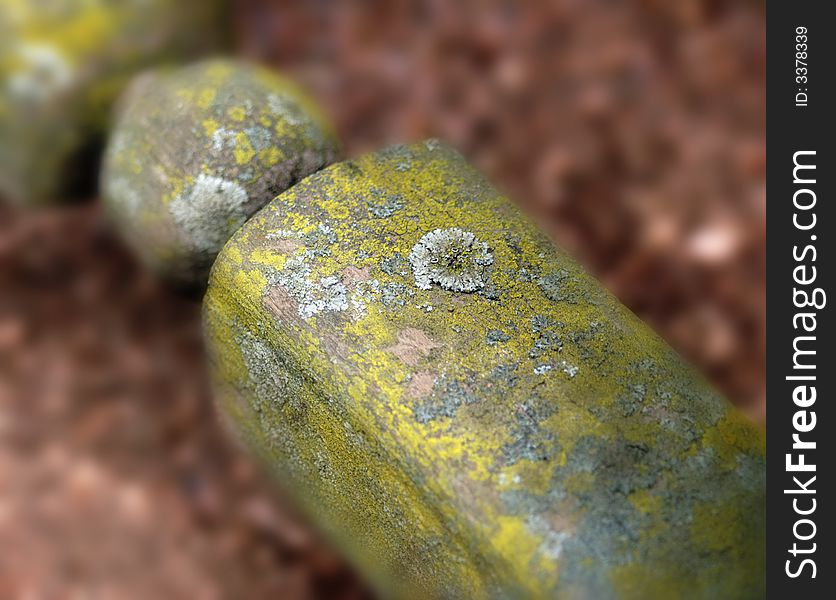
[(523, 437), (197, 150), (62, 65)]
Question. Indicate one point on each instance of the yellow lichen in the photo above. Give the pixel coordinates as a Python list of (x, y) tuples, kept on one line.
[(210, 126), (244, 151), (206, 97), (237, 113), (510, 459)]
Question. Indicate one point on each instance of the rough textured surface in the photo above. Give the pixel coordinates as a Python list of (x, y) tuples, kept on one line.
[(634, 132), (117, 481), (527, 437), (62, 64), (197, 151)]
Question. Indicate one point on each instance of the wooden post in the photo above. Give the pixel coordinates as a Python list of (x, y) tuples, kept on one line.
[(197, 150), (62, 65), (463, 409)]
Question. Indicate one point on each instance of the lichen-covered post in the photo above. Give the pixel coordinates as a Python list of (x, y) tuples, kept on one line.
[(63, 63), (466, 411), (197, 150)]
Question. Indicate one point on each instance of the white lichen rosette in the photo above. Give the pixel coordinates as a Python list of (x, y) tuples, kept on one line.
[(452, 258)]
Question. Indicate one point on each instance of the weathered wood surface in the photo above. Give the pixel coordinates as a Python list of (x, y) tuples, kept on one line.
[(62, 65), (465, 410), (197, 150)]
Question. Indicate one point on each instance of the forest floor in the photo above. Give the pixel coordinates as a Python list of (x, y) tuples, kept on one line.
[(634, 132)]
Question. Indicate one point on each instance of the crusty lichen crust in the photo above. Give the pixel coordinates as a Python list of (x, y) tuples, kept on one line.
[(63, 63), (491, 424), (198, 150)]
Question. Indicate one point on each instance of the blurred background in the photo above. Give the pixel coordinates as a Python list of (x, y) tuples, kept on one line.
[(632, 130)]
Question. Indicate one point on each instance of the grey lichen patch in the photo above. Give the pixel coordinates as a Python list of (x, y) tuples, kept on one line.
[(543, 368), (546, 342), (271, 379), (395, 294), (633, 399), (447, 397), (490, 292), (552, 285), (570, 286), (568, 368), (319, 241), (452, 258), (586, 341), (363, 294), (531, 441), (496, 336), (209, 212), (329, 295), (505, 375), (612, 524), (313, 296), (259, 137), (553, 541), (394, 265), (650, 392), (527, 273), (293, 112), (223, 140), (382, 205), (563, 366)]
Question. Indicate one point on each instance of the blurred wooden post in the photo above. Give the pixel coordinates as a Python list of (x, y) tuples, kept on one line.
[(63, 63), (197, 150)]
